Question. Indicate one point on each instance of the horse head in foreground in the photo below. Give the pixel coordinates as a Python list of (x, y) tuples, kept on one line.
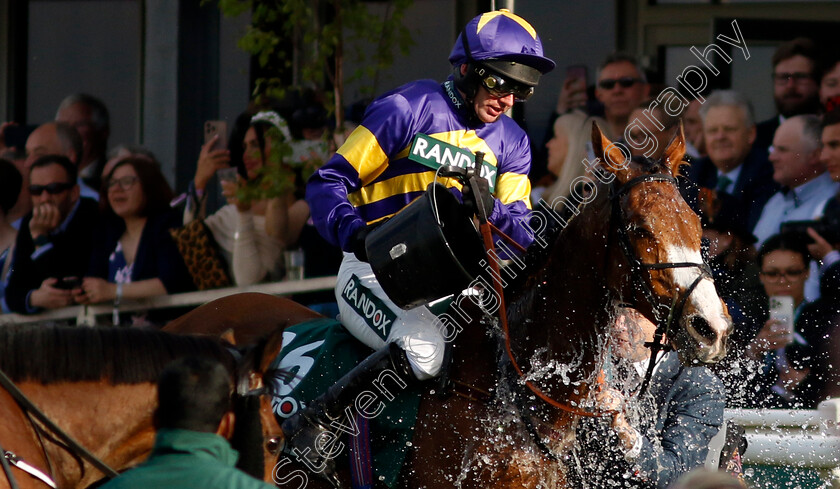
[(660, 238)]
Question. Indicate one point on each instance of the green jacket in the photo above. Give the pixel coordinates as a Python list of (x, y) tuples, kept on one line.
[(187, 459)]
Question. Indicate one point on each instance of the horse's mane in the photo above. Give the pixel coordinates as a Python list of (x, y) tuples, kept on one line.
[(537, 255), (120, 355)]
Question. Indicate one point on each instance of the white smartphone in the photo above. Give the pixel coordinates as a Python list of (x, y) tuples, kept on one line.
[(781, 309)]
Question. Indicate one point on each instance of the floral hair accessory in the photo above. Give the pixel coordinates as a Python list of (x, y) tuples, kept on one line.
[(273, 118)]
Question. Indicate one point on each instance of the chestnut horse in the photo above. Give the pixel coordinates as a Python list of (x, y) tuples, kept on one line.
[(635, 241), (99, 386)]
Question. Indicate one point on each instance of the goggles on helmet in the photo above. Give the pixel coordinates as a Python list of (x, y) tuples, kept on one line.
[(499, 87)]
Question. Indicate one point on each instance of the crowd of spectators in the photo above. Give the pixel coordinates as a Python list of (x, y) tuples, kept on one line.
[(766, 193), (83, 225)]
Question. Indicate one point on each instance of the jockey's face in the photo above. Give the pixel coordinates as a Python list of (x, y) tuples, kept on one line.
[(487, 107)]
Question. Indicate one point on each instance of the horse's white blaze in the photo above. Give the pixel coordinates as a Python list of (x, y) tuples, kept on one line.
[(704, 298)]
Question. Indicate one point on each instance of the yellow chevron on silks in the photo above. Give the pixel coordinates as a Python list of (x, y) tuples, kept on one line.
[(485, 18)]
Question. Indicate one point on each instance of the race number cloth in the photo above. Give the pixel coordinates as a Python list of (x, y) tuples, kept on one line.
[(371, 177), (315, 355)]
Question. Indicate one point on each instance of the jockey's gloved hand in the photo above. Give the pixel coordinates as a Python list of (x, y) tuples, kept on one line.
[(482, 198)]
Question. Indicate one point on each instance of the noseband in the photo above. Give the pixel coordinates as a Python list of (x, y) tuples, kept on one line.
[(663, 315)]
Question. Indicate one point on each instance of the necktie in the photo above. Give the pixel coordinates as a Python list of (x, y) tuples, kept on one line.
[(723, 183)]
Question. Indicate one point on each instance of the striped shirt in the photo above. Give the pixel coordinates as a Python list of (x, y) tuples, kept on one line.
[(371, 178)]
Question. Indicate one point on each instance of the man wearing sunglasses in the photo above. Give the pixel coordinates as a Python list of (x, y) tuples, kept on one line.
[(497, 59), (621, 87), (53, 246)]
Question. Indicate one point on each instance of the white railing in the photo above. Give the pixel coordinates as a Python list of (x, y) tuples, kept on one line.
[(804, 439), (86, 315)]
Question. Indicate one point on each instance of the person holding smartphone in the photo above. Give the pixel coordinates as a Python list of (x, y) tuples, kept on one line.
[(54, 242), (251, 235), (787, 368)]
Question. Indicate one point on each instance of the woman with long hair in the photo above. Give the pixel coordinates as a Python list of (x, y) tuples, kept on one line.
[(134, 255), (251, 233)]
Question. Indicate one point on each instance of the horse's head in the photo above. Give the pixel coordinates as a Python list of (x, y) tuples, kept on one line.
[(659, 236), (258, 435)]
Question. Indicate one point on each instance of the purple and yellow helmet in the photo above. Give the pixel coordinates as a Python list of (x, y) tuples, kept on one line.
[(504, 42)]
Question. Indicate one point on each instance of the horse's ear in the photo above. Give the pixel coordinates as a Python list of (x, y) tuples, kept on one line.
[(613, 159), (675, 152), (229, 336), (273, 345)]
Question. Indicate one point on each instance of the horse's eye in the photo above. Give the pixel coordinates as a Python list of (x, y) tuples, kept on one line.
[(638, 229), (273, 445)]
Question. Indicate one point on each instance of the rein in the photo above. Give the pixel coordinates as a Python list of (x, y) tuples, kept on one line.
[(663, 328), (487, 229), (29, 407)]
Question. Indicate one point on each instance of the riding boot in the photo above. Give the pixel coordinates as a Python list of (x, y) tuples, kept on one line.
[(302, 430)]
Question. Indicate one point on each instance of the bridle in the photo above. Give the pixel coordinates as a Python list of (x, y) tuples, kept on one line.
[(69, 443), (664, 316)]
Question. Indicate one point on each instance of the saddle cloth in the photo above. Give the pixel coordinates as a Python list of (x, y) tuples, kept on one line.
[(315, 355)]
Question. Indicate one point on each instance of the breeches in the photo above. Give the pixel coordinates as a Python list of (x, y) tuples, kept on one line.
[(367, 312)]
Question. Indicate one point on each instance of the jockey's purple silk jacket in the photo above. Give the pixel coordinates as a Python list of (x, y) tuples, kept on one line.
[(371, 178)]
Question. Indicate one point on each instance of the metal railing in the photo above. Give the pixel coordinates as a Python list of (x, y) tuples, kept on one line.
[(86, 315)]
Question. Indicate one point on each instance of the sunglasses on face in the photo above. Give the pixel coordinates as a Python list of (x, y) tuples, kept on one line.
[(125, 183), (52, 188), (624, 82), (498, 87)]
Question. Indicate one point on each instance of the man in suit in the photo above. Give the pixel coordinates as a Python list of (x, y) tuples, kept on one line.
[(54, 242), (89, 116), (795, 86), (797, 167), (659, 435), (741, 174)]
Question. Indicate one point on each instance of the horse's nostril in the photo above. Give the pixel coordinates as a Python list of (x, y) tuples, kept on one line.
[(703, 328)]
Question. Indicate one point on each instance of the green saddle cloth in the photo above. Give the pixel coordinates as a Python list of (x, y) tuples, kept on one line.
[(315, 355)]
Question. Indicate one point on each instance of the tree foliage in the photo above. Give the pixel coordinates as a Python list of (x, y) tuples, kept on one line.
[(308, 42)]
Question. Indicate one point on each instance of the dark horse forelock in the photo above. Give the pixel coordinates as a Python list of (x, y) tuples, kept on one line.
[(52, 353)]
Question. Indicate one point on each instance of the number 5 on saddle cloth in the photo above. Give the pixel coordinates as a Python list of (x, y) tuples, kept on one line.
[(315, 355)]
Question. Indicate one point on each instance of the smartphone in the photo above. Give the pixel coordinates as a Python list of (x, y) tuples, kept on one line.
[(16, 136), (577, 71), (213, 128), (68, 283), (781, 309)]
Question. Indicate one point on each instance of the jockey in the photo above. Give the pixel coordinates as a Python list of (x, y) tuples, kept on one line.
[(497, 59)]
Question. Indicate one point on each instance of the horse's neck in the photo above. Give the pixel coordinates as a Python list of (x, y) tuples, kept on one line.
[(112, 421), (568, 307)]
